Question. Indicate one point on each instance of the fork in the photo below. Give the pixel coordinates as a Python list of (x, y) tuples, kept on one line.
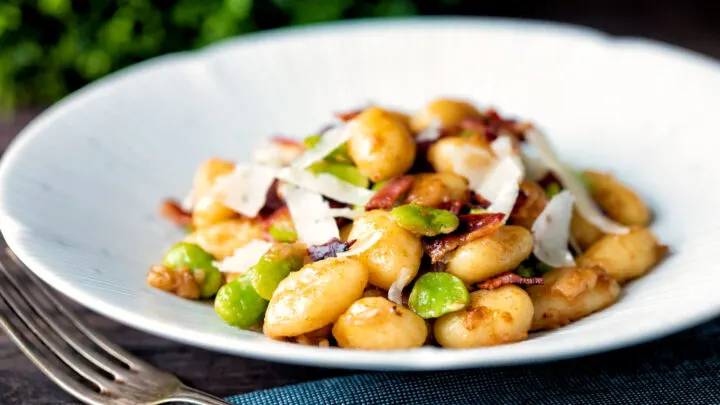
[(79, 360)]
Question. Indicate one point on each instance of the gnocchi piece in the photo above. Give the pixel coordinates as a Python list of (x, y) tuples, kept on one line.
[(624, 257), (400, 117), (396, 251), (493, 317), (618, 200), (449, 112), (433, 189), (531, 204), (375, 323), (443, 153), (221, 239), (491, 255), (207, 173), (584, 233), (569, 294), (380, 146), (314, 296), (206, 210)]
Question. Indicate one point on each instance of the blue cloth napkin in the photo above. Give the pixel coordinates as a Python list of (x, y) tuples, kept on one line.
[(681, 369)]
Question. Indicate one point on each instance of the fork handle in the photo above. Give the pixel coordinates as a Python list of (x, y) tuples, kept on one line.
[(197, 397)]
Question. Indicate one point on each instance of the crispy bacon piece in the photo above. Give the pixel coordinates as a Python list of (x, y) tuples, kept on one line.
[(346, 116), (390, 192), (548, 179), (473, 124), (273, 201), (275, 215), (173, 211), (508, 278), (472, 226), (328, 249), (454, 206), (480, 201)]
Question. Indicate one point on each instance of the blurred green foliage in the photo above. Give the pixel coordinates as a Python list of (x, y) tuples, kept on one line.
[(51, 47)]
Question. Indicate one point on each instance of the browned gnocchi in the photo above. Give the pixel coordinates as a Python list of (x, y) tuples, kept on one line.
[(391, 231)]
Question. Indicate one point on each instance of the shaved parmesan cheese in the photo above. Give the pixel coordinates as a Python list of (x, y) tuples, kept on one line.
[(505, 200), (534, 167), (331, 140), (396, 288), (584, 203), (505, 172), (551, 232), (502, 146), (349, 213), (245, 188), (474, 163), (244, 257), (431, 133), (362, 244), (274, 153), (327, 185), (311, 215)]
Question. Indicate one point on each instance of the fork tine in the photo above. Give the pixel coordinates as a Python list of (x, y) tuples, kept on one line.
[(85, 350), (39, 356), (105, 344), (23, 312)]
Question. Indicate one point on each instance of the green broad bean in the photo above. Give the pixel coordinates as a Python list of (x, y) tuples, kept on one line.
[(282, 234), (552, 190), (423, 220), (339, 155), (346, 172), (192, 256), (273, 267), (238, 304), (524, 270), (436, 294)]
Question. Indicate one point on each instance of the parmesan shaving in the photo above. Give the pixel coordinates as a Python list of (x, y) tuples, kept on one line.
[(505, 172), (245, 189), (244, 257), (331, 140), (505, 200), (349, 213), (502, 146), (551, 232), (396, 288), (327, 185), (431, 133), (362, 244), (584, 203), (474, 163), (534, 167), (311, 215)]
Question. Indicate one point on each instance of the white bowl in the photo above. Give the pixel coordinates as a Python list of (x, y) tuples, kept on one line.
[(79, 189)]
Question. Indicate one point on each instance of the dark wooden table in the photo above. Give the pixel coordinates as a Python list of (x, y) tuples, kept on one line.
[(689, 24)]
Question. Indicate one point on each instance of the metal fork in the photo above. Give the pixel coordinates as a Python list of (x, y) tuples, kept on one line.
[(79, 360)]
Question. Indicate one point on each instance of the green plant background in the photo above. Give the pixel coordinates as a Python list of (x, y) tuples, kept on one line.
[(49, 48)]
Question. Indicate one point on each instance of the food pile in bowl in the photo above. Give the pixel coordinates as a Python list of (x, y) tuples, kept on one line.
[(453, 227)]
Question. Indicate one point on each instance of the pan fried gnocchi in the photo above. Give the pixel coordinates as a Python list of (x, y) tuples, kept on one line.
[(391, 231)]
